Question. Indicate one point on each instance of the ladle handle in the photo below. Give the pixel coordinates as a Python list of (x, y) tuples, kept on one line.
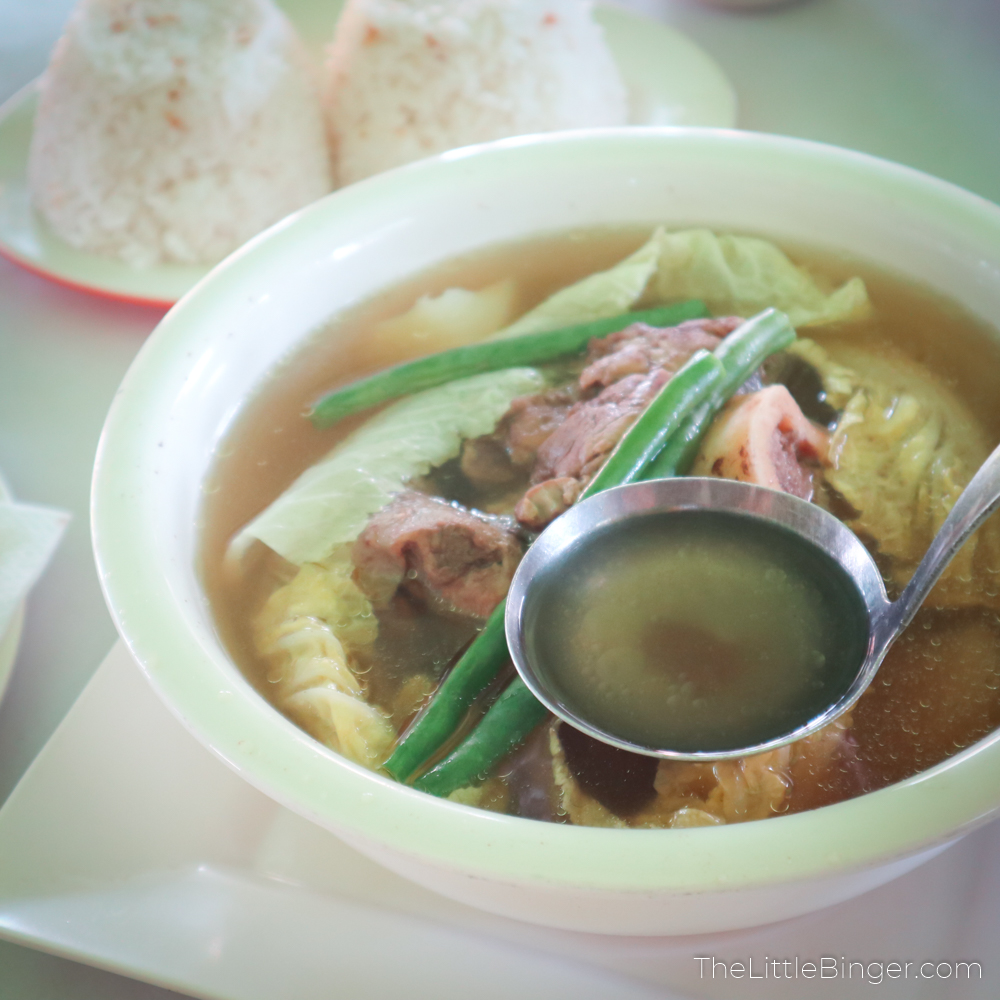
[(978, 500)]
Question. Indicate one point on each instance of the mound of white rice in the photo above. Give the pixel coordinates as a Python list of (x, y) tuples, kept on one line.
[(408, 78), (174, 130)]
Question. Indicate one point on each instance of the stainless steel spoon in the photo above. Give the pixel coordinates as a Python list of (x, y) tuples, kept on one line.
[(880, 619)]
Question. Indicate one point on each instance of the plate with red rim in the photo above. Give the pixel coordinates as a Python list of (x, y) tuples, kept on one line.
[(26, 239), (671, 81)]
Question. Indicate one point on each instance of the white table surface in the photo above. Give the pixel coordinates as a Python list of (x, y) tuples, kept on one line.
[(917, 81)]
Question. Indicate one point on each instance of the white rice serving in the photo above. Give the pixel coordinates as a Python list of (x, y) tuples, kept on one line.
[(174, 130), (408, 78)]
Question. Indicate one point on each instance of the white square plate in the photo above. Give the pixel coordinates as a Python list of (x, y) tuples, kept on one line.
[(128, 846)]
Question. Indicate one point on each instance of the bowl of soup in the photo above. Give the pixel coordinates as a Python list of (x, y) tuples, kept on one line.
[(299, 595)]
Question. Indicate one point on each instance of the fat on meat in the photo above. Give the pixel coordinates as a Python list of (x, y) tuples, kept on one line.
[(546, 501), (764, 438)]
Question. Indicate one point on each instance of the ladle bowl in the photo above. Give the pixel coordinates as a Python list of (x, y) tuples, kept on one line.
[(878, 620)]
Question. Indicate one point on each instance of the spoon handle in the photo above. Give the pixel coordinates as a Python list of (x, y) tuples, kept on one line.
[(978, 500)]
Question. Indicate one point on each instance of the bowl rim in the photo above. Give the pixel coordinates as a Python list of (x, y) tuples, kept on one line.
[(282, 761)]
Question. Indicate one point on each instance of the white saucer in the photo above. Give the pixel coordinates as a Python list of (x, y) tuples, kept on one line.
[(10, 638), (9, 642), (128, 846), (670, 80)]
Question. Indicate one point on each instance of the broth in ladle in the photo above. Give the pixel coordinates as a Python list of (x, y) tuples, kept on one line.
[(695, 629)]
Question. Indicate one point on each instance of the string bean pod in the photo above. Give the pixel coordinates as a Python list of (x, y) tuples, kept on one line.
[(486, 356)]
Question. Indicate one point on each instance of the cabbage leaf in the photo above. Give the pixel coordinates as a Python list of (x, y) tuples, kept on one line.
[(310, 632), (741, 275), (903, 450), (330, 503), (437, 322), (734, 275)]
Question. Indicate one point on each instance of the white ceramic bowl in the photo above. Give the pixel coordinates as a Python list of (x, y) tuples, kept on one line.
[(217, 344)]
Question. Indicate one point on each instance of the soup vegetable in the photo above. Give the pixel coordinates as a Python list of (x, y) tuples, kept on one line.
[(358, 551)]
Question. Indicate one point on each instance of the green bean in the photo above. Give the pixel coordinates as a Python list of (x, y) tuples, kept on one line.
[(506, 725), (681, 450), (484, 658), (741, 354), (751, 343), (466, 681), (486, 356)]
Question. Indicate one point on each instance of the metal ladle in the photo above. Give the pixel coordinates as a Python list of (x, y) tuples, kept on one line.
[(878, 619)]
